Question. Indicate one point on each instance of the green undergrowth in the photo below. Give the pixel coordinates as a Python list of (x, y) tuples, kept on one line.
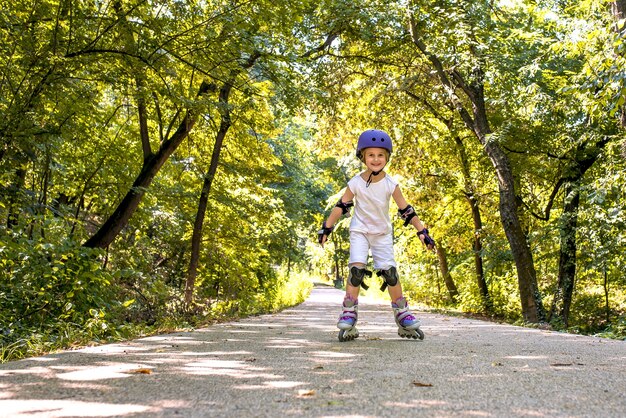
[(616, 329), (22, 339)]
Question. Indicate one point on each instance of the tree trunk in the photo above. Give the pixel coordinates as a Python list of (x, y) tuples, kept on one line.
[(196, 238), (130, 44), (618, 8), (151, 166), (477, 246), (607, 307), (445, 272), (225, 124), (584, 156), (288, 266), (567, 254), (532, 306), (14, 192)]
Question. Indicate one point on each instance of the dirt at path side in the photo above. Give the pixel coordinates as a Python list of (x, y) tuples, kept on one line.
[(291, 364)]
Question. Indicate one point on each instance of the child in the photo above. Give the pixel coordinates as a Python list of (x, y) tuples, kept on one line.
[(370, 229)]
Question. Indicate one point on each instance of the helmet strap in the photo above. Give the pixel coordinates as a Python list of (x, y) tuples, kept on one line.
[(369, 179)]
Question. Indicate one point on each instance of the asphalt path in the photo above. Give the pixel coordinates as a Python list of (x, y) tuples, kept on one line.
[(292, 364)]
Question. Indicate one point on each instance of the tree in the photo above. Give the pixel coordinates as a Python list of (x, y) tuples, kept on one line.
[(225, 123), (471, 86)]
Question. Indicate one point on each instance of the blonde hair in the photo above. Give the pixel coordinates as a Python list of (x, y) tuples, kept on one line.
[(363, 151)]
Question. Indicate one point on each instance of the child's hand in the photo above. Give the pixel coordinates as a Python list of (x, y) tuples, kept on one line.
[(426, 239), (322, 234)]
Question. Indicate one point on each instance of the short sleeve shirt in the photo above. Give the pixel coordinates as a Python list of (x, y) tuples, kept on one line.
[(371, 205)]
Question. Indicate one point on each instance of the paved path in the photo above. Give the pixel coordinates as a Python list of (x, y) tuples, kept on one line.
[(291, 364)]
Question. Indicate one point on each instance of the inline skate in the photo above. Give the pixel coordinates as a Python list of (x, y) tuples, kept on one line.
[(408, 325), (347, 320)]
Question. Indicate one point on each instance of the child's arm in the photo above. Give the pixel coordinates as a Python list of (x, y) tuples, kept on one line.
[(340, 208), (407, 212)]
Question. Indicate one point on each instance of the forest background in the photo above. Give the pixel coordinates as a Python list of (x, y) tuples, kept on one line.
[(164, 164)]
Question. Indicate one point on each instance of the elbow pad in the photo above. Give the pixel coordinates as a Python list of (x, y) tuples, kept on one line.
[(407, 214), (345, 207)]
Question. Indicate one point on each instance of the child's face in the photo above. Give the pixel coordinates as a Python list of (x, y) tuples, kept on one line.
[(375, 158)]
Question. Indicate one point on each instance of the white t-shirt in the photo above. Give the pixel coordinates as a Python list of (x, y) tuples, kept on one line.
[(371, 205)]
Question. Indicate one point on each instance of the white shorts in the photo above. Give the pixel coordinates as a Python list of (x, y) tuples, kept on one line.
[(380, 245)]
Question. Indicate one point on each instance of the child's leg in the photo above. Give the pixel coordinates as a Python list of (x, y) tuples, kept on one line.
[(404, 317), (350, 307), (385, 263), (359, 252), (352, 292), (359, 249), (395, 292)]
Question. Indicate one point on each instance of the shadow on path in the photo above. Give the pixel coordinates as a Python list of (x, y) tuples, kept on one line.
[(291, 364)]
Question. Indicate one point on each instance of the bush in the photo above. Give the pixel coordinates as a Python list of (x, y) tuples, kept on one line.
[(616, 329), (51, 291)]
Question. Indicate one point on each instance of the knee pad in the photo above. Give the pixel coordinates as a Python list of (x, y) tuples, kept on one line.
[(357, 275), (390, 277)]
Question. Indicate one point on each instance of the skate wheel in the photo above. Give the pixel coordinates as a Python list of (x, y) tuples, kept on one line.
[(415, 334), (348, 334), (420, 334)]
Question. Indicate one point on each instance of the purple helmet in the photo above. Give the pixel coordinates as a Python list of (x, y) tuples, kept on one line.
[(373, 138)]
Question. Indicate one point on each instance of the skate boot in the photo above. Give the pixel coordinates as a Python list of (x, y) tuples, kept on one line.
[(347, 320), (408, 324)]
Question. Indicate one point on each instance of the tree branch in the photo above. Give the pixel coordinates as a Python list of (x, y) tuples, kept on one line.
[(441, 73), (329, 40)]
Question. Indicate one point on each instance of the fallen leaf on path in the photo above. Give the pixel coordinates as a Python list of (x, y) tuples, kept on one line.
[(373, 338), (303, 393), (497, 363), (141, 371), (318, 367), (250, 360), (421, 385)]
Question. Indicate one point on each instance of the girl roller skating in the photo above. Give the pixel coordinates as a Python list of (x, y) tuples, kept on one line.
[(370, 230)]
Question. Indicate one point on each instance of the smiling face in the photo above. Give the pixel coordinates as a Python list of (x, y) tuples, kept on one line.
[(375, 158)]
